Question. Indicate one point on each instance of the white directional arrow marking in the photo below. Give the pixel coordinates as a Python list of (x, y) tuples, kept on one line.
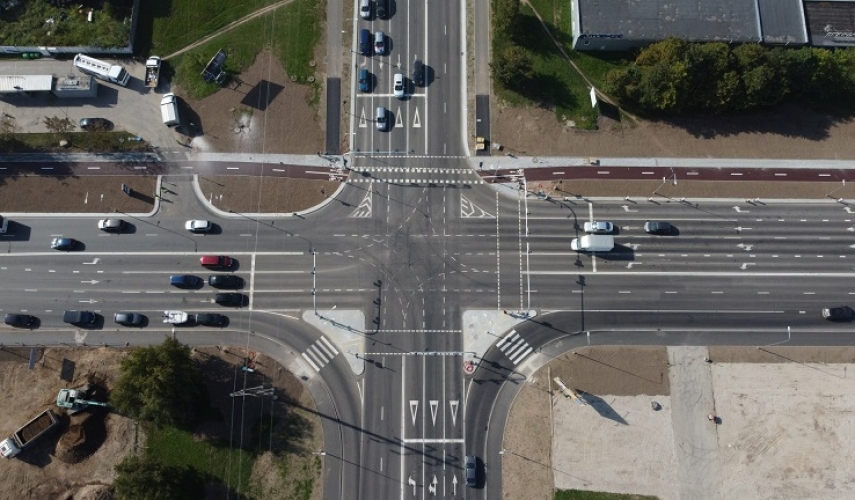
[(94, 261), (363, 121), (412, 482), (850, 229), (454, 485), (432, 486), (90, 301), (454, 404), (399, 122), (417, 122), (91, 282), (414, 408), (745, 265), (434, 404), (626, 208), (745, 246)]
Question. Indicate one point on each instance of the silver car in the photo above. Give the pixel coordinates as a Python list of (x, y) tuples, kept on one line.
[(599, 227), (398, 86), (111, 225), (198, 226)]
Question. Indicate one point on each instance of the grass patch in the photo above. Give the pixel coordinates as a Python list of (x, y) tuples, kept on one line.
[(596, 495), (555, 82), (291, 31), (96, 142), (27, 24), (230, 466), (174, 24)]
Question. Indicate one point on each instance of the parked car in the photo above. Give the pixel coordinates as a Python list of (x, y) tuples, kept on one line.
[(216, 261), (364, 42), (599, 227), (229, 299), (129, 319), (365, 9), (658, 227), (111, 225), (364, 80), (382, 9), (63, 244), (398, 85), (198, 226), (382, 119), (95, 124), (227, 281), (379, 43), (19, 320), (184, 281), (418, 73), (842, 313), (211, 319)]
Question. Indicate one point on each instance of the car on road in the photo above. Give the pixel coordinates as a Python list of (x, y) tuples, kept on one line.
[(379, 43), (601, 227), (398, 85), (19, 320), (364, 42), (227, 281), (471, 470), (184, 281), (841, 313), (216, 261), (63, 244), (129, 319), (418, 73), (382, 8), (364, 80), (211, 319), (74, 317), (229, 299), (111, 225), (365, 9), (382, 119), (658, 227), (95, 124), (198, 226)]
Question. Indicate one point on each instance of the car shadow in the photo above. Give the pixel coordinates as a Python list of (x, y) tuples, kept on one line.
[(619, 252)]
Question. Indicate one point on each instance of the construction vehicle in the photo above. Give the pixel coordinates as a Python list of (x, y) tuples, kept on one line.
[(31, 431), (152, 71), (75, 400), (174, 317)]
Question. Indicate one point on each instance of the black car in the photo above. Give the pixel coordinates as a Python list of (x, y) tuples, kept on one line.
[(211, 319), (19, 320), (95, 124), (229, 299), (129, 319), (63, 243), (418, 73), (381, 8), (841, 313), (227, 281), (658, 227)]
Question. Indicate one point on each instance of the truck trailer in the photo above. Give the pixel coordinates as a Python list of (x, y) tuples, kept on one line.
[(31, 431), (103, 70), (593, 243)]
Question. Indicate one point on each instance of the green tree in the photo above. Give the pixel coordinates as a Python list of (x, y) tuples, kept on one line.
[(512, 66), (161, 384), (145, 479), (57, 125), (506, 15)]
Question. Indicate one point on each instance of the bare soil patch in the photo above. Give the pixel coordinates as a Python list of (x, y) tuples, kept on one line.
[(90, 194), (265, 194), (262, 111), (791, 132), (39, 473)]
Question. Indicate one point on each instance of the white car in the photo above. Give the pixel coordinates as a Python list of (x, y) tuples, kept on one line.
[(599, 227), (399, 85), (198, 226)]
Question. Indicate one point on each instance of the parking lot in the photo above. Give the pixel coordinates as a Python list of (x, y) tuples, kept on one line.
[(134, 108)]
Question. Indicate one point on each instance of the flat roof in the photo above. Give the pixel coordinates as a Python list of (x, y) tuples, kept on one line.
[(782, 21), (693, 20), (831, 24), (25, 83)]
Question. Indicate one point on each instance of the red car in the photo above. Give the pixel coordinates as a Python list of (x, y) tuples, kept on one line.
[(216, 261)]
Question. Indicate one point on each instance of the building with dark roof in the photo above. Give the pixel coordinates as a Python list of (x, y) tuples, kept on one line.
[(831, 23), (630, 24)]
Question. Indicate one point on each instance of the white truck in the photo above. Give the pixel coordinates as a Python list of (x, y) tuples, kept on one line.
[(102, 70), (32, 430), (169, 110), (152, 72), (593, 243)]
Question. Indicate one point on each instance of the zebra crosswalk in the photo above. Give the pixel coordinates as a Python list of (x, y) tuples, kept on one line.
[(514, 346), (320, 353)]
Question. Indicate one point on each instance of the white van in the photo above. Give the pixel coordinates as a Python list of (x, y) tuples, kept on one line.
[(169, 110)]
